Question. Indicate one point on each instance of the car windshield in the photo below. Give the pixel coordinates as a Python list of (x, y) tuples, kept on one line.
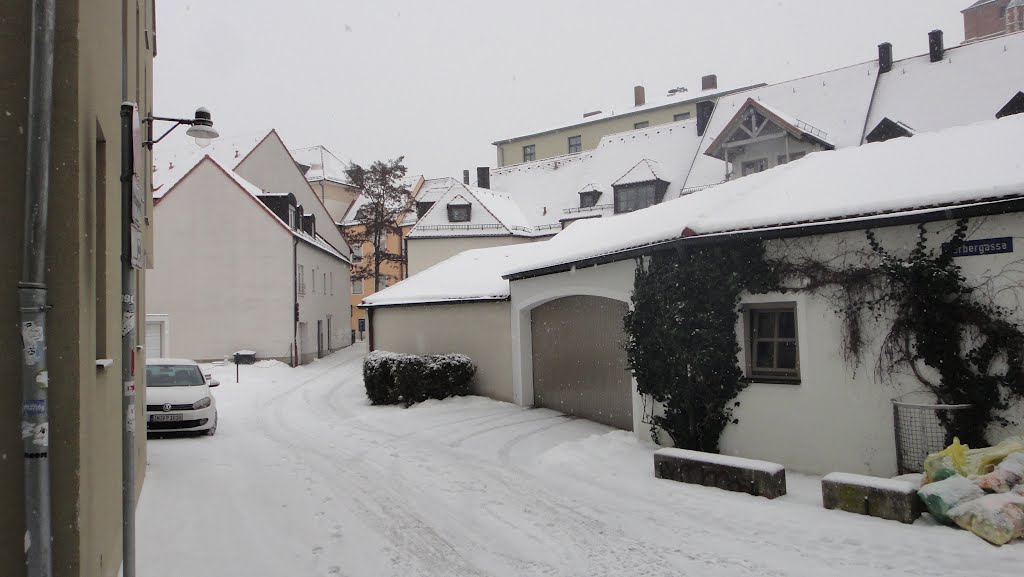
[(174, 376)]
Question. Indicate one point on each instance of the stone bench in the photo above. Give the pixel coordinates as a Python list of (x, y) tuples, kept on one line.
[(758, 478), (891, 499)]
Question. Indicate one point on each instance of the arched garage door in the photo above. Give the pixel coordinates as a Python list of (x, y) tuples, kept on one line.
[(579, 363)]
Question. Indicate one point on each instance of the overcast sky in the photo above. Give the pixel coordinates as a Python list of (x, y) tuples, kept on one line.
[(438, 81)]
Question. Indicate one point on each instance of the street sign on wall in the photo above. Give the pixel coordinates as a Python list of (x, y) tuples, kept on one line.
[(980, 246)]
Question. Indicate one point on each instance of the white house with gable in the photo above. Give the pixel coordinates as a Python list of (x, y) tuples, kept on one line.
[(247, 257)]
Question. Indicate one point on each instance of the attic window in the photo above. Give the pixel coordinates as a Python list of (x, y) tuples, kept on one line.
[(291, 217), (638, 196), (888, 129), (361, 213), (458, 212), (422, 208), (589, 198)]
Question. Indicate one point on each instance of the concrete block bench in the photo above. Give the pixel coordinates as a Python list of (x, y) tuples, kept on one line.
[(758, 478), (891, 499)]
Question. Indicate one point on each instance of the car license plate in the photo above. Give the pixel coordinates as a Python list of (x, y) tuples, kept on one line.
[(164, 418)]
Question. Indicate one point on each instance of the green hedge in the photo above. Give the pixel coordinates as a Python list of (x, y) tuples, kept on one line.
[(393, 378)]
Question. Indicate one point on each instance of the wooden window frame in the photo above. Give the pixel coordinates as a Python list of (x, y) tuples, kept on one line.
[(577, 146), (751, 339), (529, 152)]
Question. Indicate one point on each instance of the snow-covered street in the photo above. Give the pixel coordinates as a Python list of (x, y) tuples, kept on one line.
[(305, 478)]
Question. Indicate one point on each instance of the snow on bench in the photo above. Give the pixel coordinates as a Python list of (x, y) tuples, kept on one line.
[(893, 499), (758, 478)]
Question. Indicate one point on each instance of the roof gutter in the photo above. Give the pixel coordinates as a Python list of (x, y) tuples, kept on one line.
[(367, 306), (985, 208)]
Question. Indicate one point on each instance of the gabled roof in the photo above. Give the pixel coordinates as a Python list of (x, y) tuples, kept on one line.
[(795, 127), (254, 192), (644, 171), (900, 177), (175, 157), (322, 164), (499, 215)]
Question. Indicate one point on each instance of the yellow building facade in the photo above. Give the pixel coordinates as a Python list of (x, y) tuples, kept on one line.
[(83, 276), (586, 134)]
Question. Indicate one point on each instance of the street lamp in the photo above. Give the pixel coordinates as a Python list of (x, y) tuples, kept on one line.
[(201, 128), (133, 202)]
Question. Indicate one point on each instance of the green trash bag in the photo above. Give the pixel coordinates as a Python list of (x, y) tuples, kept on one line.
[(941, 496)]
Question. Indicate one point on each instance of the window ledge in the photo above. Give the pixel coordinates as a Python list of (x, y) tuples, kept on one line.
[(769, 381), (103, 364)]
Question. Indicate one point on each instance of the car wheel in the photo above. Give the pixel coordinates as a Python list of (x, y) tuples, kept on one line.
[(212, 430)]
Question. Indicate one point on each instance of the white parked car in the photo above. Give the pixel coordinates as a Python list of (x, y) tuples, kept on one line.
[(178, 397)]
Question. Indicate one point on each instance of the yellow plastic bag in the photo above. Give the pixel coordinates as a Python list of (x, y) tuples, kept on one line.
[(958, 459)]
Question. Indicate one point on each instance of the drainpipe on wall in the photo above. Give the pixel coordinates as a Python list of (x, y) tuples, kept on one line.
[(295, 301), (32, 295)]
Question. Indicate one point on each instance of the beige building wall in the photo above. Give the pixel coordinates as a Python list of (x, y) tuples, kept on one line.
[(424, 253), (478, 330), (556, 142), (337, 197), (83, 278)]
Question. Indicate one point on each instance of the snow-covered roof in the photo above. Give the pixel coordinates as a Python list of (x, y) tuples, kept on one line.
[(901, 175), (978, 3), (971, 84), (175, 156), (644, 171), (608, 113), (493, 214), (836, 102), (473, 275), (322, 163), (548, 190)]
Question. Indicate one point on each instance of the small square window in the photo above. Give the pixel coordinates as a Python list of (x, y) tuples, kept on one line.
[(589, 198), (575, 144), (755, 166), (529, 153), (772, 342), (357, 251), (681, 116), (458, 213), (357, 286), (639, 125)]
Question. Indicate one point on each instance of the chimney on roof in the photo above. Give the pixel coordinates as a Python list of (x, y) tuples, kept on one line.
[(591, 113), (704, 110), (884, 57), (638, 96), (465, 176), (935, 47), (709, 82), (483, 177)]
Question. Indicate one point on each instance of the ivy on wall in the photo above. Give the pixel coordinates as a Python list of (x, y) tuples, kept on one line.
[(681, 336), (683, 348)]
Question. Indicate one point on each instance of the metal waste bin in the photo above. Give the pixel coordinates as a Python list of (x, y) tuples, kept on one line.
[(245, 358)]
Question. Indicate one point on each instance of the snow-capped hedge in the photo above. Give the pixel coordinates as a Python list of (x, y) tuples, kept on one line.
[(392, 378)]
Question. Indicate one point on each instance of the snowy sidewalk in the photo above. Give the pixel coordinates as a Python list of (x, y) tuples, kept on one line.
[(304, 478)]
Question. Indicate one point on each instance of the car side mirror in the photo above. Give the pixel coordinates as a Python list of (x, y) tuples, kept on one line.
[(212, 382)]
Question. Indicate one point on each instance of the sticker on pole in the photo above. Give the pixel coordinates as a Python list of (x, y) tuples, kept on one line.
[(36, 433), (129, 419), (31, 336), (127, 322), (129, 388)]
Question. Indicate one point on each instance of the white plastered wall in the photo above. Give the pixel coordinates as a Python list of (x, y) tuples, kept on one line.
[(223, 269), (331, 298), (613, 281)]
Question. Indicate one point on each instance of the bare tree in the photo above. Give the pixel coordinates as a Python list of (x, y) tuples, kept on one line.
[(384, 203)]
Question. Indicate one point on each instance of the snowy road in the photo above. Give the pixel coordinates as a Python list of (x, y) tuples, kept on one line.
[(304, 478)]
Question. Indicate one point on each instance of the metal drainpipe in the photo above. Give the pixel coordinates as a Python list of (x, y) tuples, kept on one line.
[(128, 316), (295, 300), (32, 296)]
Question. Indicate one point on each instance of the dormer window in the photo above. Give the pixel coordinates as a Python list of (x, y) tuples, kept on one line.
[(458, 212), (422, 208), (588, 198), (361, 213), (291, 217), (636, 196)]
